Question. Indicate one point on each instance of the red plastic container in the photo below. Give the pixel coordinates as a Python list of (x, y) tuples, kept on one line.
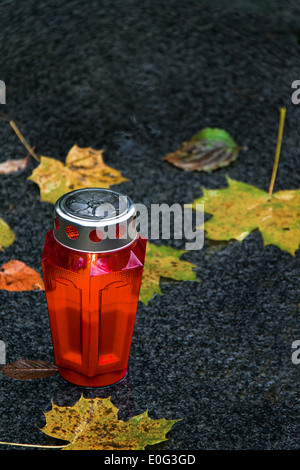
[(92, 296)]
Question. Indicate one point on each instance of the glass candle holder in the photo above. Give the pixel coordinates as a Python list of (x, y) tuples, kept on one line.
[(93, 262)]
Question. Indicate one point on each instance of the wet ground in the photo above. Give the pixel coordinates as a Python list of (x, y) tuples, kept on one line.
[(136, 79)]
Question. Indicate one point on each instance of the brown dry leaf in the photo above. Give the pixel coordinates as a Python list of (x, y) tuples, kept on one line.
[(11, 166), (84, 167), (16, 276), (208, 150), (25, 369)]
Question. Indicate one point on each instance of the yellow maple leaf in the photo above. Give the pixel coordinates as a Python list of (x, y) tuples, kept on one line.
[(163, 261), (84, 167), (93, 424), (241, 208)]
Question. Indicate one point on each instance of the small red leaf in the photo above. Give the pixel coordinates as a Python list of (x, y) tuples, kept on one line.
[(16, 276)]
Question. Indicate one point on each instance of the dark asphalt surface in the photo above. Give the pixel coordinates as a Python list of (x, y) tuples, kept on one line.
[(138, 78)]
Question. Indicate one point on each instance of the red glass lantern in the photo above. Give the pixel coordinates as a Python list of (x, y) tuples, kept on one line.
[(93, 262)]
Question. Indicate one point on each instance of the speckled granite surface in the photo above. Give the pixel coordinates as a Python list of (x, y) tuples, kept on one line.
[(138, 78)]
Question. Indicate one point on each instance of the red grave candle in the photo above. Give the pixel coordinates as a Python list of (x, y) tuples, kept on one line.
[(93, 262)]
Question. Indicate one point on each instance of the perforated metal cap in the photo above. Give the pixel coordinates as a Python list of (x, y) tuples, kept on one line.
[(94, 220)]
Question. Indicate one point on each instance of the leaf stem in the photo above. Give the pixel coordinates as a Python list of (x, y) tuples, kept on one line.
[(32, 445), (278, 147), (24, 142)]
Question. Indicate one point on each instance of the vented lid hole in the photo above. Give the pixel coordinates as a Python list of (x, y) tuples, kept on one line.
[(96, 236), (72, 232)]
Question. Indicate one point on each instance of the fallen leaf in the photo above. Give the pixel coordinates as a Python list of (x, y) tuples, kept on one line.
[(7, 236), (208, 150), (16, 276), (163, 261), (84, 167), (24, 369), (241, 208), (93, 424), (11, 166)]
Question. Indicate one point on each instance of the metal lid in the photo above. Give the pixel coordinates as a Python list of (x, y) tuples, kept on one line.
[(94, 220)]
